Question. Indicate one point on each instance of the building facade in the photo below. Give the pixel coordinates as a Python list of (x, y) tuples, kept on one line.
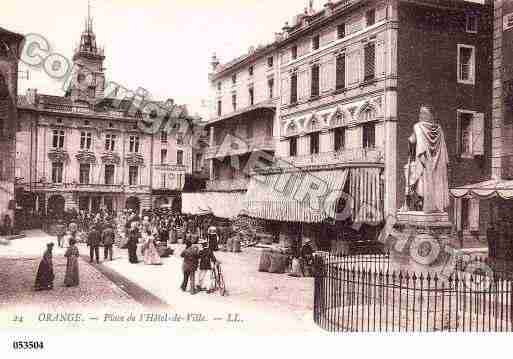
[(10, 44), (352, 77), (96, 148), (244, 94), (496, 192)]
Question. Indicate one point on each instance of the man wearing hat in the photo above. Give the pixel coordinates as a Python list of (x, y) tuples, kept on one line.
[(206, 257), (213, 239), (60, 231), (93, 241), (108, 237)]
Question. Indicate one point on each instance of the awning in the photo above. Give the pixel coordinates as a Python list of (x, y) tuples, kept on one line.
[(485, 190), (309, 197), (314, 196), (367, 191), (220, 204)]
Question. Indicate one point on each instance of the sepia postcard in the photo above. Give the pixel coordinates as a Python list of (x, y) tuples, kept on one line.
[(304, 168)]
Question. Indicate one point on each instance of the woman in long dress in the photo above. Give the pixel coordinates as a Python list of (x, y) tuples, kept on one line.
[(45, 275), (150, 254), (71, 278)]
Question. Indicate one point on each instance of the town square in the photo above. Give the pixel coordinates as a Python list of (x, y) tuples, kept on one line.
[(344, 167)]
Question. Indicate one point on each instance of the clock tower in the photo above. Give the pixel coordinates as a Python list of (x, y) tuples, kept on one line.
[(88, 78)]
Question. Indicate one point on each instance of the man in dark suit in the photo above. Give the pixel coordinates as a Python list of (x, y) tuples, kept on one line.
[(93, 241), (108, 241), (133, 239), (189, 267)]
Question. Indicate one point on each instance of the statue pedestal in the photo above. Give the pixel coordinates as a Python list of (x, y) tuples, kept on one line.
[(421, 254), (423, 243)]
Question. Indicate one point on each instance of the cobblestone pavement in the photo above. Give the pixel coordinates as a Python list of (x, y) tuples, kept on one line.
[(266, 303), (18, 266)]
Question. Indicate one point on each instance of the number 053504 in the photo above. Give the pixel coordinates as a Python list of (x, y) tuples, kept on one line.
[(27, 345)]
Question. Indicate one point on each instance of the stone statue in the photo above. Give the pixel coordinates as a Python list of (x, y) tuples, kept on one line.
[(427, 189)]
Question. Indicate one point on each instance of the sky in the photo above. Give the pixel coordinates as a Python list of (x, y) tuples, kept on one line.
[(164, 46)]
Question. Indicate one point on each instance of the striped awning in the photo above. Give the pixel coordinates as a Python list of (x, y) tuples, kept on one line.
[(314, 196), (485, 190), (367, 193), (309, 197), (220, 204)]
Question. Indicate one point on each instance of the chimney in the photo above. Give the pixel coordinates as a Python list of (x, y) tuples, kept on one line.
[(214, 62), (278, 36), (286, 28)]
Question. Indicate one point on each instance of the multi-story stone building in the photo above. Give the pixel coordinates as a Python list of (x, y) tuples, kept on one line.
[(352, 79), (95, 147), (496, 193), (244, 95), (10, 43)]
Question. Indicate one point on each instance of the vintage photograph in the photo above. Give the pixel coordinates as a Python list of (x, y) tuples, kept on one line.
[(256, 167)]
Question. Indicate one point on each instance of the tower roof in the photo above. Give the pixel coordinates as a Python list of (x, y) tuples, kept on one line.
[(88, 46)]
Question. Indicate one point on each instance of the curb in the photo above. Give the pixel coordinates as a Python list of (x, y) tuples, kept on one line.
[(132, 289)]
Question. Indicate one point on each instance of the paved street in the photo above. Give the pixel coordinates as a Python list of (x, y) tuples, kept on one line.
[(18, 265), (266, 303)]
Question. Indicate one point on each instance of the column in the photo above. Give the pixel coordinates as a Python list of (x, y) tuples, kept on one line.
[(390, 131), (497, 105)]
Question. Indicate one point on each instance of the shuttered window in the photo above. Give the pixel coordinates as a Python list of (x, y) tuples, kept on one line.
[(369, 135), (341, 31), (315, 81), (341, 72), (314, 143), (470, 134), (340, 138), (370, 61), (293, 88), (292, 146)]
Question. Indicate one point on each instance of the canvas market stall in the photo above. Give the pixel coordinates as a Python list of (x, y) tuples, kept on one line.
[(310, 204), (486, 208)]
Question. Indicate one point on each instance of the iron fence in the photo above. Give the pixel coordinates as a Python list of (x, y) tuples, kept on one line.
[(365, 293)]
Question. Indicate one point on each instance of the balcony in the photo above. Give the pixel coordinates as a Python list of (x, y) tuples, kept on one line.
[(170, 168), (239, 147), (235, 184), (268, 106), (348, 157)]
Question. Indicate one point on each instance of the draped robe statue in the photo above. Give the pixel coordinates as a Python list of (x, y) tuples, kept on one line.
[(427, 189)]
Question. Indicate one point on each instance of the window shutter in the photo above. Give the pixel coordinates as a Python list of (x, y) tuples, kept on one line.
[(341, 71), (353, 67), (457, 213), (303, 85), (478, 134), (474, 214), (327, 76), (285, 90), (380, 58), (458, 135), (370, 61)]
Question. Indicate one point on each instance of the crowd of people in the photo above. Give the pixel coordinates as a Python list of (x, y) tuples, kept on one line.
[(147, 235)]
